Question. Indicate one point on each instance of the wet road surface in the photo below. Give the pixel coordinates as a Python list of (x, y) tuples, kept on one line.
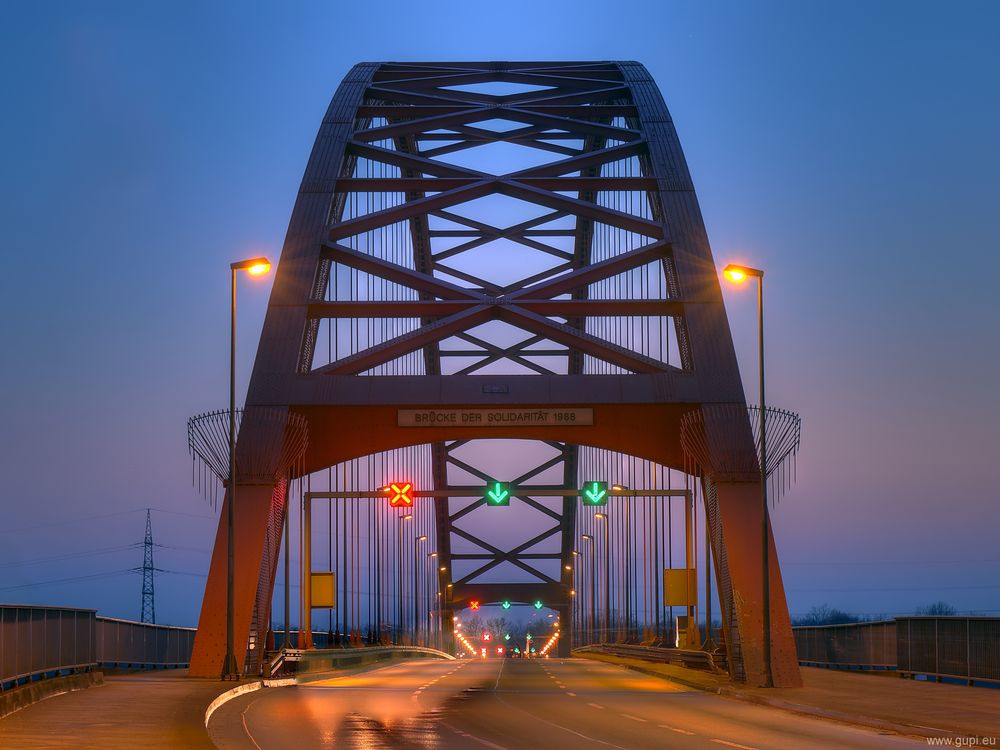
[(513, 704)]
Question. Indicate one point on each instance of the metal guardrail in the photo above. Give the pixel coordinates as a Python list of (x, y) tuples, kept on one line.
[(860, 645), (324, 658), (39, 642), (124, 643), (953, 648), (689, 658), (962, 648)]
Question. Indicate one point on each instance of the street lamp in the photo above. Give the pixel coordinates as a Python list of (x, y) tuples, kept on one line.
[(430, 577), (399, 558), (255, 267), (607, 571), (738, 274), (593, 585), (416, 587)]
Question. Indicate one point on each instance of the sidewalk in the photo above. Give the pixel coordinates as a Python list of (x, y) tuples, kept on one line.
[(882, 700), (148, 710)]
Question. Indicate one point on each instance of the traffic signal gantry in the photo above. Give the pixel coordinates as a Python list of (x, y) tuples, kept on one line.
[(497, 494)]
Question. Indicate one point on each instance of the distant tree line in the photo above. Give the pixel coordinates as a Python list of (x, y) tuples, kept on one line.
[(824, 614)]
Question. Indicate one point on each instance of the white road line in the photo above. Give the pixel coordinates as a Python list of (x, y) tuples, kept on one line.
[(734, 744), (633, 718), (572, 695), (480, 740), (675, 729), (243, 718), (596, 705)]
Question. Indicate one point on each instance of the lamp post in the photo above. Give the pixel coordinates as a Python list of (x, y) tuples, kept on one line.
[(431, 556), (255, 267), (607, 571), (399, 557), (416, 588), (739, 274), (593, 586)]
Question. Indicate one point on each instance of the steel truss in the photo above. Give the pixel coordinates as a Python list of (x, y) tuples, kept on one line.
[(580, 275)]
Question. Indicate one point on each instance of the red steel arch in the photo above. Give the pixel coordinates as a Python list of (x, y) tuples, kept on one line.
[(405, 118)]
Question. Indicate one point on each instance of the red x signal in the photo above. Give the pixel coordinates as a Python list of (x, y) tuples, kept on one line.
[(474, 604), (400, 494)]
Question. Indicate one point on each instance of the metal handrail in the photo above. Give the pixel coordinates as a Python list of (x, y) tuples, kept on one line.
[(287, 655), (687, 657)]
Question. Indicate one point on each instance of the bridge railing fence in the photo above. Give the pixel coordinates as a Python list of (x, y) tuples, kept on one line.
[(861, 645), (949, 648), (963, 648), (125, 643), (38, 642)]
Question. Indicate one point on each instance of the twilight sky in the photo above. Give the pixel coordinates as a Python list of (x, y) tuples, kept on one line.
[(848, 148)]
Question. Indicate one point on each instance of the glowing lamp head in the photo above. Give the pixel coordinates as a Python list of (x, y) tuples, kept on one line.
[(259, 269), (253, 266), (739, 274), (735, 275)]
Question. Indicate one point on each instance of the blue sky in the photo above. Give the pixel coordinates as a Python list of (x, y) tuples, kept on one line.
[(849, 148)]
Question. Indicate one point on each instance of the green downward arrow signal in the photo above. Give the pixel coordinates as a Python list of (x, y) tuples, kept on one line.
[(595, 493), (498, 494), (506, 636), (505, 604)]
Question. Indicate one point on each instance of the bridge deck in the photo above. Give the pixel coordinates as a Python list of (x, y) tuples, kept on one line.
[(150, 710)]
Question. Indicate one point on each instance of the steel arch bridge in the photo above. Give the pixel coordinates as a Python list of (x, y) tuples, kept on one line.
[(557, 288)]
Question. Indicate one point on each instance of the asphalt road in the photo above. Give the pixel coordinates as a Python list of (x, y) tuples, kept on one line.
[(513, 704)]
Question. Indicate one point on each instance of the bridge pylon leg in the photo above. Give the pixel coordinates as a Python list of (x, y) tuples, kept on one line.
[(253, 509), (740, 509)]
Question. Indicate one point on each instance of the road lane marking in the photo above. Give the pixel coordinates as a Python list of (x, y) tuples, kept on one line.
[(480, 740), (243, 718), (596, 705), (674, 729), (558, 726), (572, 695), (633, 718), (734, 744)]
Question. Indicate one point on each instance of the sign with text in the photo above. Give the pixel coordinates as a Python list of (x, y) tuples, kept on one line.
[(494, 417)]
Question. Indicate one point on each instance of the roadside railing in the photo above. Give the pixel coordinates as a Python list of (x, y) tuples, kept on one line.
[(944, 648), (38, 642), (860, 645), (690, 658), (41, 642), (129, 645), (317, 660), (962, 648)]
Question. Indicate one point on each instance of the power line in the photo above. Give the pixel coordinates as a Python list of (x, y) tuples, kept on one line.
[(891, 562), (70, 556), (101, 516), (926, 589), (72, 579)]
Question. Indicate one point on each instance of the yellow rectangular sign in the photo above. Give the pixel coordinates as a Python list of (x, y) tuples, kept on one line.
[(680, 587), (323, 590)]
